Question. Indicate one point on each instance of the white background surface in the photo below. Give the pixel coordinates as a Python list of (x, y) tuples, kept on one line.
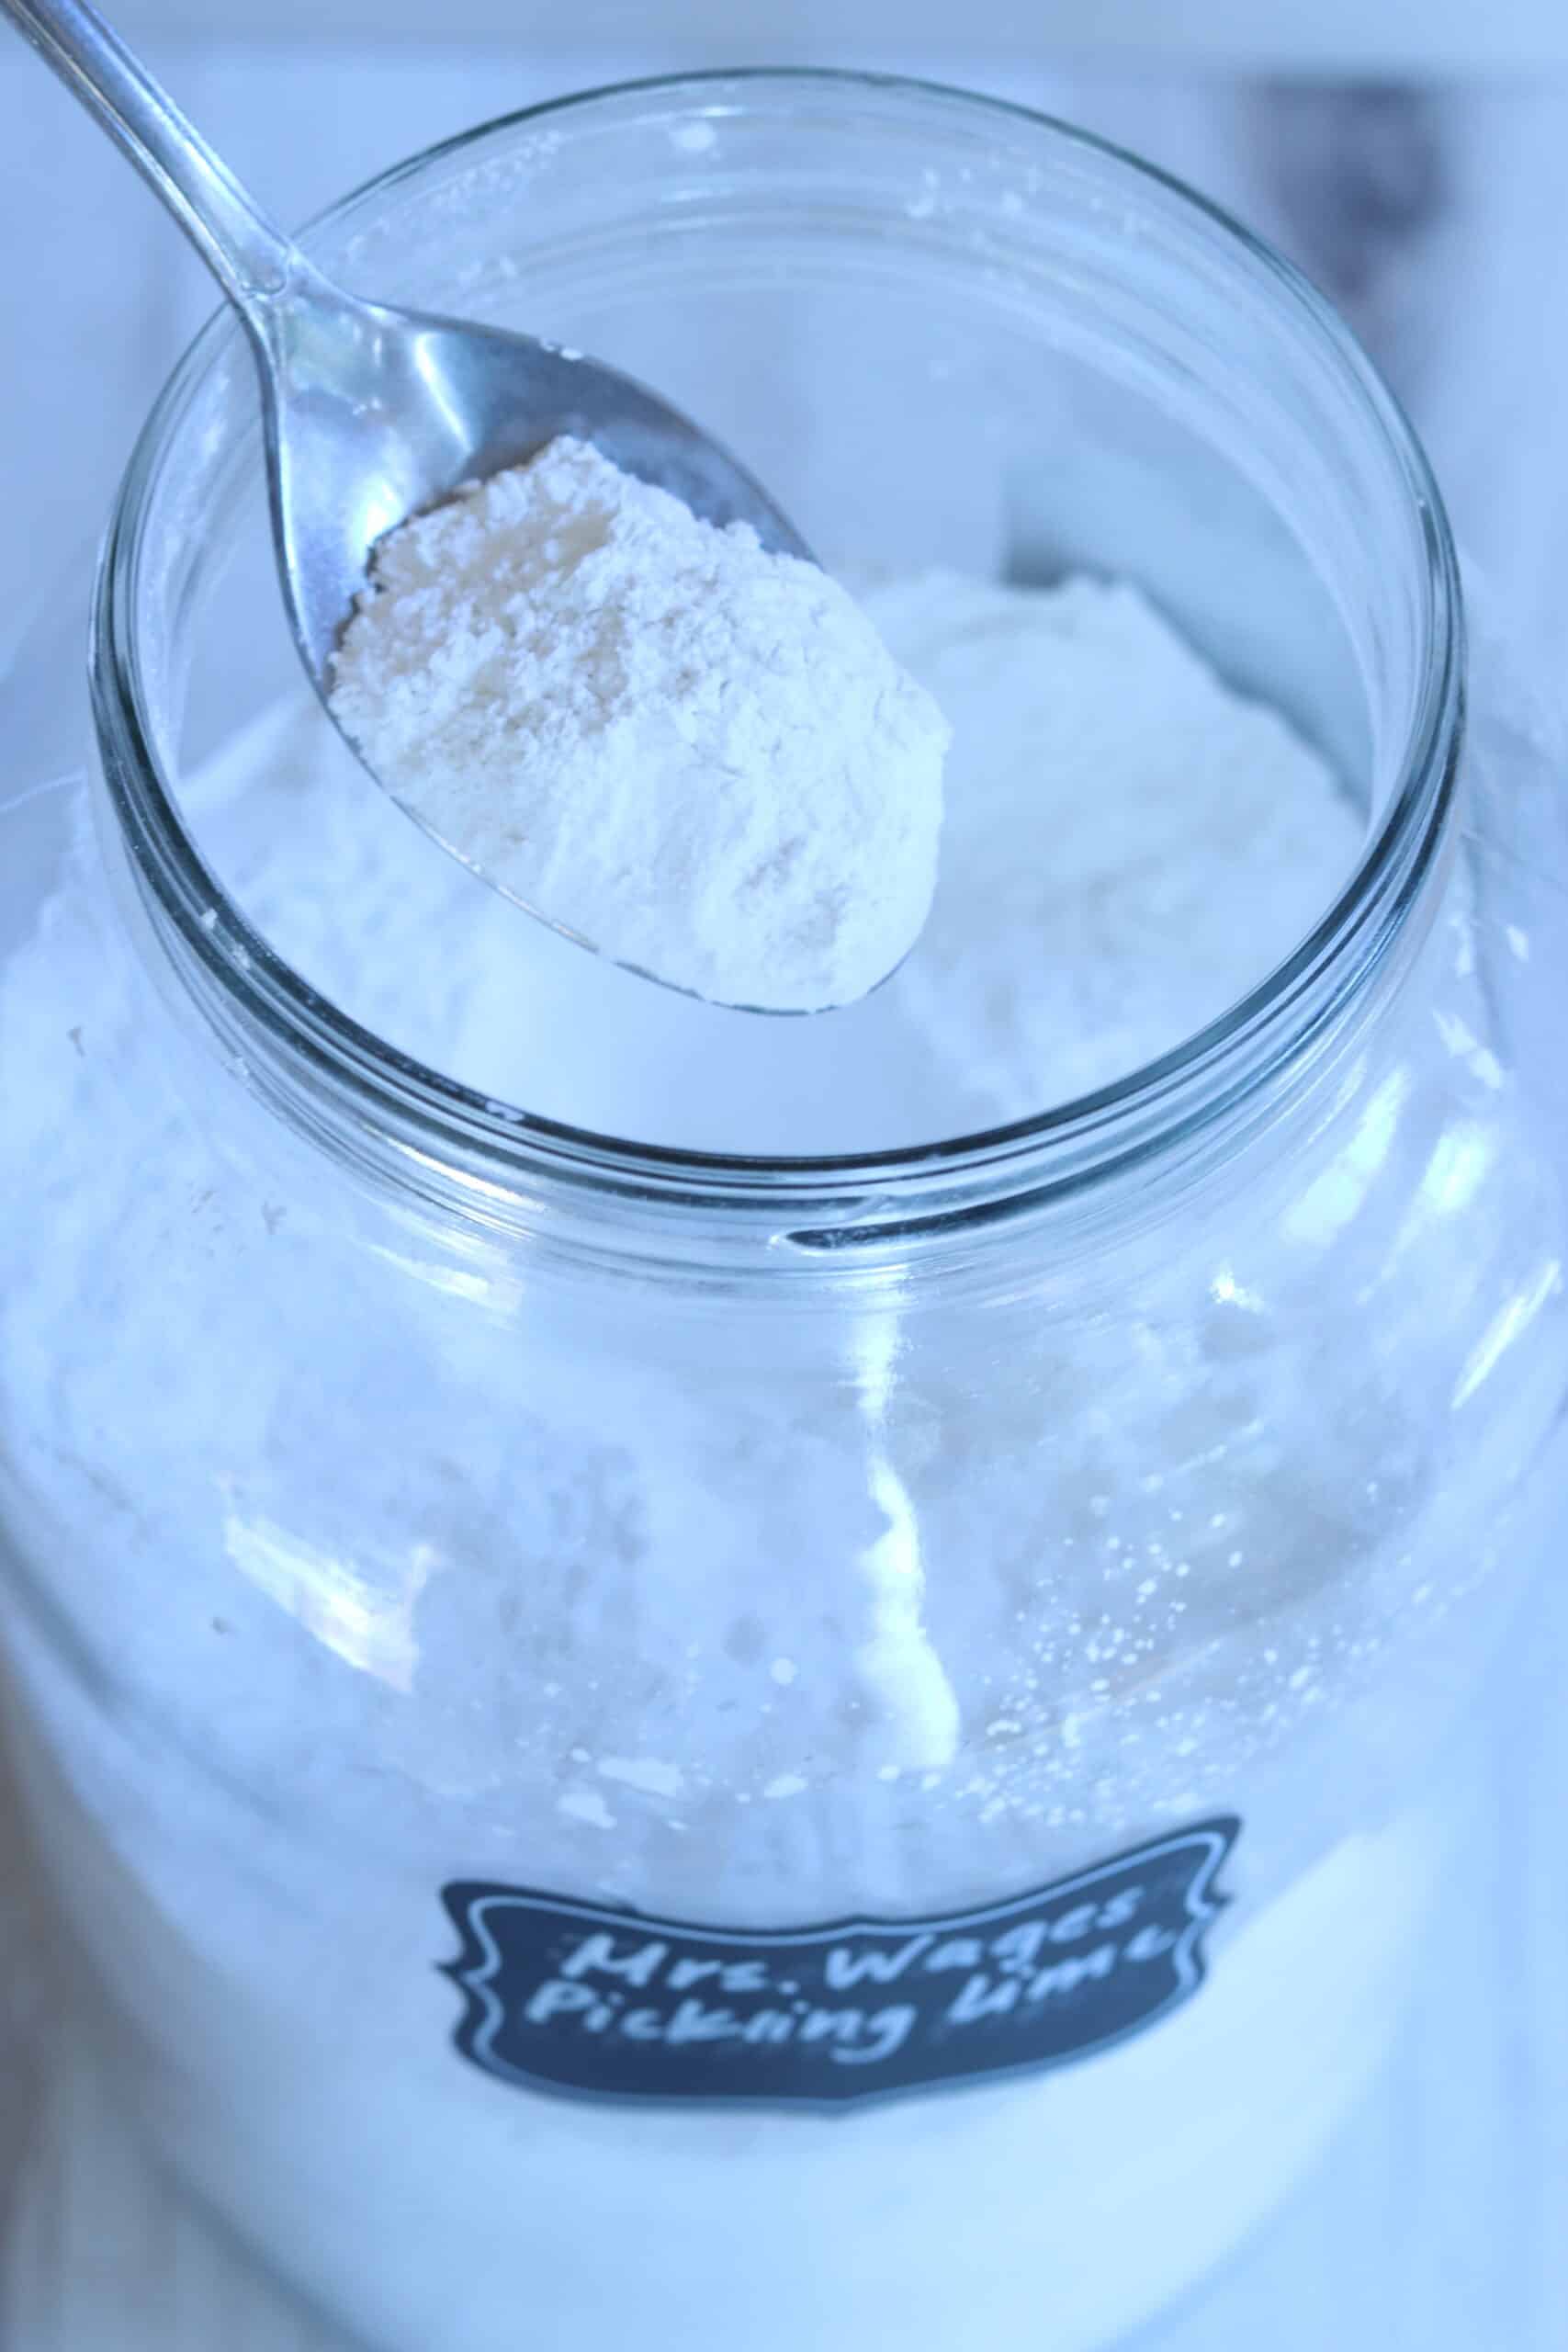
[(1441, 2223)]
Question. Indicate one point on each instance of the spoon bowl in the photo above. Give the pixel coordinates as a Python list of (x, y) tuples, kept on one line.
[(374, 415)]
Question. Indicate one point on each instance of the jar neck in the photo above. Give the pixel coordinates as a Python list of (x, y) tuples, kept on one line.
[(1158, 291)]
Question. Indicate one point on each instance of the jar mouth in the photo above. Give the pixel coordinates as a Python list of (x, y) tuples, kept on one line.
[(507, 1147)]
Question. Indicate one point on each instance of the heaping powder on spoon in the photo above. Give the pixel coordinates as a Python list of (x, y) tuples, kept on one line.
[(696, 755)]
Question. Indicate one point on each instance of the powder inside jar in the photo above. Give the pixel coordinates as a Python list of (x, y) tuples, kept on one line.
[(1128, 847), (455, 1566)]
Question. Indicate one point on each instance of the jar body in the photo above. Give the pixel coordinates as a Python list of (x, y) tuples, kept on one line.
[(360, 1552)]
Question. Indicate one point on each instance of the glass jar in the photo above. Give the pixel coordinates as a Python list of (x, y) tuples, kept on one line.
[(793, 1750)]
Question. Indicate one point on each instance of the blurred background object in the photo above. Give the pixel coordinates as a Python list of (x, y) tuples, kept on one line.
[(1325, 34), (1413, 155)]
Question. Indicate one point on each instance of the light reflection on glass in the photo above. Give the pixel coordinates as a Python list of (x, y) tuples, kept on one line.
[(1455, 1171), (1505, 1328), (897, 1657), (1328, 1204), (451, 1281), (1460, 1163), (368, 1625)]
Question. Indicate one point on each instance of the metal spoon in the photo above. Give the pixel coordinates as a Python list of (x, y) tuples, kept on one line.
[(371, 413)]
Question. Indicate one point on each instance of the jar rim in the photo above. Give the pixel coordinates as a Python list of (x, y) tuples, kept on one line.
[(1089, 1136)]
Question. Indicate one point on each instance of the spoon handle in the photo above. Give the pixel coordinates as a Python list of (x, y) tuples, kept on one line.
[(251, 258)]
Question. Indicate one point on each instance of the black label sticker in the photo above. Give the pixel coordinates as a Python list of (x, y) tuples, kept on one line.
[(607, 2002)]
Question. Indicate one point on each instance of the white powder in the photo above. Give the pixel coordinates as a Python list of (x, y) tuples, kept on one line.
[(1163, 840), (692, 753), (1106, 796), (408, 1563)]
